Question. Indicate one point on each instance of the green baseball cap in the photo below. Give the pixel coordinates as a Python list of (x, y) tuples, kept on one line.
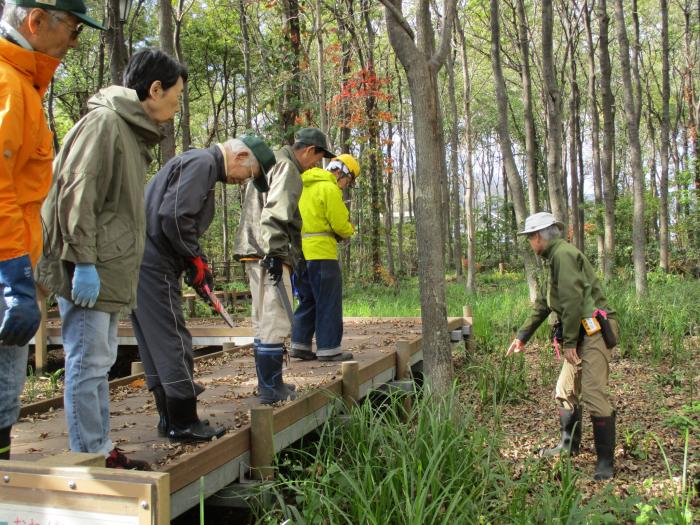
[(314, 137), (75, 7), (266, 159)]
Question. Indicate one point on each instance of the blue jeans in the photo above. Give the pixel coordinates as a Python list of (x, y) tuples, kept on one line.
[(320, 308), (13, 372), (90, 345)]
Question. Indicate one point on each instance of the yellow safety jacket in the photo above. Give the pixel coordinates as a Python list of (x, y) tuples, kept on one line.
[(324, 215)]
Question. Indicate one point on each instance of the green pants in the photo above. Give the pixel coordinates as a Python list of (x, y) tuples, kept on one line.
[(587, 382)]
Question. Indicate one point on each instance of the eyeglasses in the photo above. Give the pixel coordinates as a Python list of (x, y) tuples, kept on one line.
[(75, 29)]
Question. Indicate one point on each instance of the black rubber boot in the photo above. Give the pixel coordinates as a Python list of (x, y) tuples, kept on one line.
[(604, 436), (162, 407), (300, 353), (184, 423), (271, 387), (570, 426), (5, 442)]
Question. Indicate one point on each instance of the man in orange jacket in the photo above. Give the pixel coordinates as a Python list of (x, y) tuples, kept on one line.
[(34, 38)]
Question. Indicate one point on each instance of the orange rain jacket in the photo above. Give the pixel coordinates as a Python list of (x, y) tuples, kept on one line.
[(26, 148)]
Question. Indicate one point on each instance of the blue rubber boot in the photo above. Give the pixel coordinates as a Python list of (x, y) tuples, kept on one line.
[(268, 365)]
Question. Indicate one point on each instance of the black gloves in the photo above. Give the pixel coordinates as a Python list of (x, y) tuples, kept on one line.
[(273, 265)]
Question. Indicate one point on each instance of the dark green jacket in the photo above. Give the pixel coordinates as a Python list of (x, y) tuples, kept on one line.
[(94, 212), (570, 288)]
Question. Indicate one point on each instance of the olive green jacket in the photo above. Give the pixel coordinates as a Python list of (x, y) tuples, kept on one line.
[(271, 222), (570, 288), (94, 212)]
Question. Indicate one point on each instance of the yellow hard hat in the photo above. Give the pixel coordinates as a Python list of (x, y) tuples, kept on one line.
[(350, 163)]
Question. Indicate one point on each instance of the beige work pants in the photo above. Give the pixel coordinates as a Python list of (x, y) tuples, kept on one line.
[(587, 382), (271, 323)]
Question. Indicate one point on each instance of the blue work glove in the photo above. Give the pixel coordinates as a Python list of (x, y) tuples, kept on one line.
[(273, 265), (22, 316), (86, 285)]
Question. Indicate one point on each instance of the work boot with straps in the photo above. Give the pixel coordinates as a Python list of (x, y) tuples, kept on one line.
[(570, 426), (604, 437)]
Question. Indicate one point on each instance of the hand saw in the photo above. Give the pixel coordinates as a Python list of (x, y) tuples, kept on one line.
[(216, 305)]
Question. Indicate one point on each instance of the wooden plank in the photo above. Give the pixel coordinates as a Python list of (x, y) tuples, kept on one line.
[(308, 404), (57, 402), (196, 331), (73, 459), (29, 488), (374, 369)]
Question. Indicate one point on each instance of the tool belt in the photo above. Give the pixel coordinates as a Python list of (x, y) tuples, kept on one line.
[(605, 329)]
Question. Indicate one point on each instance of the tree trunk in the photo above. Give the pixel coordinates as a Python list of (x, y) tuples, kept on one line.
[(469, 171), (516, 185), (664, 258), (370, 76), (291, 91), (632, 114), (185, 116), (243, 20), (454, 166), (401, 173), (323, 118), (607, 164), (595, 140), (557, 198), (529, 124), (421, 63), (115, 43), (573, 152), (167, 45), (389, 198)]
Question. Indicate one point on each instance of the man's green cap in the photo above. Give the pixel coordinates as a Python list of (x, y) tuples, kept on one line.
[(75, 7), (265, 157), (314, 137)]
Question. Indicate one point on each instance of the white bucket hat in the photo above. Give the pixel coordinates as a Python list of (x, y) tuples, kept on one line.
[(540, 221)]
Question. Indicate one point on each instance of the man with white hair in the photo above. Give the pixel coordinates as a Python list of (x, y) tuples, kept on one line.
[(180, 206), (587, 331), (34, 38)]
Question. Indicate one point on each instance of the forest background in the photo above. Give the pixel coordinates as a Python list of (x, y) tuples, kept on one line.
[(466, 116), (271, 67)]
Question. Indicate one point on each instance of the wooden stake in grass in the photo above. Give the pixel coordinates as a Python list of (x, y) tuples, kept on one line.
[(262, 444), (351, 382)]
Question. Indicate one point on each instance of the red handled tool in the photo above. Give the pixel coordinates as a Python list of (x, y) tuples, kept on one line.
[(216, 305)]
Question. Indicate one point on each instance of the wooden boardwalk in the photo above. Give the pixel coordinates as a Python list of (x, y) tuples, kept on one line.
[(230, 381)]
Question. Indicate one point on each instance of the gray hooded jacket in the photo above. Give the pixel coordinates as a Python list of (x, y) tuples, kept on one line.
[(271, 222)]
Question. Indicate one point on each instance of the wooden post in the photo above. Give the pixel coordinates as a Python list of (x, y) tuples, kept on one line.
[(262, 443), (469, 345), (40, 351), (403, 372), (136, 368), (351, 382), (403, 359)]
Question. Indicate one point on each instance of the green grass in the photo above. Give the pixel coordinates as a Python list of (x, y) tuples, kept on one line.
[(653, 327), (441, 466), (441, 462)]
